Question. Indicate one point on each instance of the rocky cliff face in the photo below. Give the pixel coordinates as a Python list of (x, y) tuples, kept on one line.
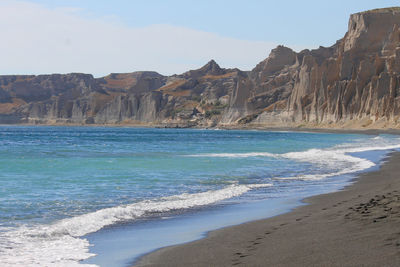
[(354, 83)]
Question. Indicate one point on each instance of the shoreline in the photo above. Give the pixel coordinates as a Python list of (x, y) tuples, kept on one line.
[(351, 227), (368, 131)]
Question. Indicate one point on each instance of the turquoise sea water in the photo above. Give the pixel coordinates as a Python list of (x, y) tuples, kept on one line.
[(60, 184)]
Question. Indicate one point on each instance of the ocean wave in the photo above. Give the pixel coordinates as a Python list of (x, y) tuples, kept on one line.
[(233, 155), (61, 243), (337, 160)]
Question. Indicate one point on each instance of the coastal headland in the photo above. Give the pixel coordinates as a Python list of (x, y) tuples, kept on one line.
[(354, 84)]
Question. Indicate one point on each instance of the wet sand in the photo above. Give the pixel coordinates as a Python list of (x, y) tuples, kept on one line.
[(358, 226)]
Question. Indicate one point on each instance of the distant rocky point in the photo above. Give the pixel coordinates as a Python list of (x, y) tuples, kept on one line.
[(353, 84)]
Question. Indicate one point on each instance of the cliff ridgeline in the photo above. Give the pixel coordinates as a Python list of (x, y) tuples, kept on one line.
[(354, 84)]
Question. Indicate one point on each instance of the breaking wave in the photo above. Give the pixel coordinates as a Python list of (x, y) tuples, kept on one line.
[(337, 160), (61, 242)]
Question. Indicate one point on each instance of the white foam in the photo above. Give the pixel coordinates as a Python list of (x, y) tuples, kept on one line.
[(369, 148), (233, 155), (61, 243), (336, 159)]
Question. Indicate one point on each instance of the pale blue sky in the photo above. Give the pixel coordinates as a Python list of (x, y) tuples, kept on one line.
[(302, 23), (170, 36)]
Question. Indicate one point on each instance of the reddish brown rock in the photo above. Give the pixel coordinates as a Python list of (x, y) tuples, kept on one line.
[(354, 83)]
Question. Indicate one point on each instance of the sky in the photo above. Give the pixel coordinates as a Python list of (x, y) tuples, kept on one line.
[(167, 36)]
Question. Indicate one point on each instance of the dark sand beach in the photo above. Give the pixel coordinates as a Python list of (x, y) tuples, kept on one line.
[(357, 226)]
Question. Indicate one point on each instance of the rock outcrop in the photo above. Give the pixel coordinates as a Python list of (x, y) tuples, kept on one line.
[(354, 83)]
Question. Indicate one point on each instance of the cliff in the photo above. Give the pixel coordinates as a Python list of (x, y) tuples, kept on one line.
[(354, 83)]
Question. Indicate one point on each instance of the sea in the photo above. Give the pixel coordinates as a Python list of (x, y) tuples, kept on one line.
[(104, 196)]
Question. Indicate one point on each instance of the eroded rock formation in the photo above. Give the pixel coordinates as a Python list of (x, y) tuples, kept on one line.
[(354, 83)]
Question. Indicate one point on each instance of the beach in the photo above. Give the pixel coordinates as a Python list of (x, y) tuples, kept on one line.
[(357, 226)]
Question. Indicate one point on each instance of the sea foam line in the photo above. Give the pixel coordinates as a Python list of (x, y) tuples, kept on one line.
[(60, 243), (336, 159), (234, 155)]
